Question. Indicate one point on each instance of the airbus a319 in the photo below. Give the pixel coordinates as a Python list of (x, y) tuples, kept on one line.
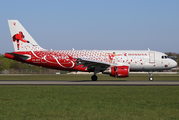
[(116, 63)]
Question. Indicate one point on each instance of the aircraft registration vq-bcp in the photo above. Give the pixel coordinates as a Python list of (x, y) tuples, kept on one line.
[(116, 63)]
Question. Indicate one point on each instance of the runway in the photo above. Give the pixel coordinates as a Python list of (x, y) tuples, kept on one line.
[(85, 82)]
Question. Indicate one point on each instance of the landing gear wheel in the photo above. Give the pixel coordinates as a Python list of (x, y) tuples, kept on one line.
[(94, 78), (151, 78)]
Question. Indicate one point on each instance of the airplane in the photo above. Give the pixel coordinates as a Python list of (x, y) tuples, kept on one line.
[(116, 63)]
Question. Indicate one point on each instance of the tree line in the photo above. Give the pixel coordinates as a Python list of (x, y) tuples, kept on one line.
[(6, 64), (12, 66)]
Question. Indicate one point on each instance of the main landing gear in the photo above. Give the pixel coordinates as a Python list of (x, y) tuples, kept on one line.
[(150, 76), (94, 78)]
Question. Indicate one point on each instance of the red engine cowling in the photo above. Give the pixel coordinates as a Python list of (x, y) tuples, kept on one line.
[(118, 71)]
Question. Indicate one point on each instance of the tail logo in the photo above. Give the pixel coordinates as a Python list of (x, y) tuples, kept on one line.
[(19, 37)]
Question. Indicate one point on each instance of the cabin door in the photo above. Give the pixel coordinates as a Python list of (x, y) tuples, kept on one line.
[(151, 57)]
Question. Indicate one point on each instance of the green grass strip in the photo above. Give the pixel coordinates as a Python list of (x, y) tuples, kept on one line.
[(89, 102)]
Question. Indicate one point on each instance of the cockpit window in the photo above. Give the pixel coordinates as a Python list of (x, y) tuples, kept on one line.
[(165, 57)]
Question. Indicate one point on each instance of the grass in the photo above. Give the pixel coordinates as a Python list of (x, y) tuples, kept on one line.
[(88, 102), (144, 77)]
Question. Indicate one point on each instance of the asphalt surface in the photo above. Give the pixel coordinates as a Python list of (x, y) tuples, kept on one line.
[(104, 83)]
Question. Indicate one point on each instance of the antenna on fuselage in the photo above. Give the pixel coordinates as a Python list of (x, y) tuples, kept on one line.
[(148, 49)]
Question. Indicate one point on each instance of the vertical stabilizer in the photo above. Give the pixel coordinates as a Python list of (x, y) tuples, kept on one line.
[(22, 40)]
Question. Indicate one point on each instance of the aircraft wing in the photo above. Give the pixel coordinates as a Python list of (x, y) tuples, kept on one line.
[(92, 63)]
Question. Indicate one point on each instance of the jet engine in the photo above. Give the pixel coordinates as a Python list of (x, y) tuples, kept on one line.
[(117, 71)]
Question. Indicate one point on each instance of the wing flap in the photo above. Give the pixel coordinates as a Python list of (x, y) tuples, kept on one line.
[(91, 63)]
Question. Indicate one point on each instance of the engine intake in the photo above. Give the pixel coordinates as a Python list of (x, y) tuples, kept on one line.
[(117, 71)]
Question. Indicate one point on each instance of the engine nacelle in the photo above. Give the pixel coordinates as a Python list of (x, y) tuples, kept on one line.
[(117, 71)]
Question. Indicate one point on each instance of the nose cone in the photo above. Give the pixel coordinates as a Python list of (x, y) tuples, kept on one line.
[(173, 63)]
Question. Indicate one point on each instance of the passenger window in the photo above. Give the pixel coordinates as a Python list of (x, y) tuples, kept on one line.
[(162, 57)]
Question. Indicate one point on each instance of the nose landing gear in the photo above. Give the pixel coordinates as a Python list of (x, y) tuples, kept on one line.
[(150, 76)]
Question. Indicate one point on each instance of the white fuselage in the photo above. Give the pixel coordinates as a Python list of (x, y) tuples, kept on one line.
[(143, 60)]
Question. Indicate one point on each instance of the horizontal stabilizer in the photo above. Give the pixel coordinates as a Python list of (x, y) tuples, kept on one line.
[(25, 57)]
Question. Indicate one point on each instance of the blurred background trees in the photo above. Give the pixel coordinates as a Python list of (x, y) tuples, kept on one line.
[(15, 67)]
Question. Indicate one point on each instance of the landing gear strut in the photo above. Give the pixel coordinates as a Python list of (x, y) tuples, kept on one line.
[(94, 78), (96, 70), (150, 76)]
